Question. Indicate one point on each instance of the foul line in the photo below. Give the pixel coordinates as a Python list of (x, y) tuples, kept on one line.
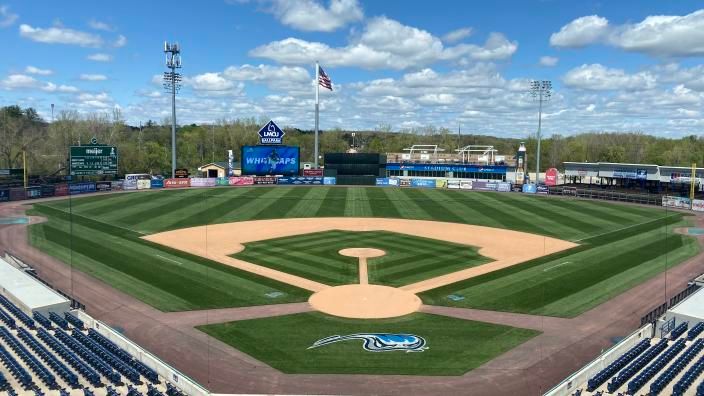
[(623, 228), (555, 266), (101, 222), (168, 259)]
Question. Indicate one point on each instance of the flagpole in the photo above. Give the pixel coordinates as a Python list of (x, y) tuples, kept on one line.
[(317, 110)]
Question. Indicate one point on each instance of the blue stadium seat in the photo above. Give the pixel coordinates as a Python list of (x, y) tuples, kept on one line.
[(28, 358), (58, 367), (617, 365), (16, 312), (91, 358), (628, 372), (655, 367), (42, 320), (15, 369), (147, 372), (61, 322), (70, 357), (678, 331), (689, 377), (173, 391), (695, 331), (5, 318), (77, 323), (152, 391), (668, 375), (115, 362)]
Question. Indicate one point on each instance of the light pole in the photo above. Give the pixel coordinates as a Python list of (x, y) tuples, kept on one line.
[(541, 91), (52, 113), (172, 83)]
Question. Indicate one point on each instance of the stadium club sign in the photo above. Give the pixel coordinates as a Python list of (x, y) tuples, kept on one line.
[(271, 134), (447, 168), (379, 342)]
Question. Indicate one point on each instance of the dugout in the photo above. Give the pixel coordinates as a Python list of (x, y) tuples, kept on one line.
[(29, 294), (355, 168)]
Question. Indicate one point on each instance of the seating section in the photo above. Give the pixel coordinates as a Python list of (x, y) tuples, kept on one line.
[(655, 367), (626, 374), (679, 330), (695, 331), (617, 365), (61, 354), (689, 378)]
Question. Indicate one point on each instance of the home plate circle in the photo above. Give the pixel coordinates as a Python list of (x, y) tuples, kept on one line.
[(365, 301)]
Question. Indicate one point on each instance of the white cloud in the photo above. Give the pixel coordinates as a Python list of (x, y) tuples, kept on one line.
[(210, 82), (38, 71), (657, 35), (548, 61), (385, 43), (581, 32), (98, 25), (457, 35), (7, 18), (60, 35), (91, 101), (93, 77), (99, 57), (311, 15), (120, 41), (437, 99), (600, 78), (22, 82)]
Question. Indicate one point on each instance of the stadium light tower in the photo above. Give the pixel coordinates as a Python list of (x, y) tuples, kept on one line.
[(541, 91), (172, 84)]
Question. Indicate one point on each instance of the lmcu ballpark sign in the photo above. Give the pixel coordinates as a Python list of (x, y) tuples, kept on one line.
[(94, 159), (271, 134)]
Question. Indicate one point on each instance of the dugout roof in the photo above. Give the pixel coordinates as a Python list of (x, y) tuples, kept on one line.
[(691, 307), (28, 293)]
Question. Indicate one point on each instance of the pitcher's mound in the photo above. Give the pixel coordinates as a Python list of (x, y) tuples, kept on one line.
[(365, 301), (362, 252)]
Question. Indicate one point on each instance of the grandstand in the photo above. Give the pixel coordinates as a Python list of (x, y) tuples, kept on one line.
[(665, 357), (64, 352)]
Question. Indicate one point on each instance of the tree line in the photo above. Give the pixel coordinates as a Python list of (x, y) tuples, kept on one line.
[(147, 148)]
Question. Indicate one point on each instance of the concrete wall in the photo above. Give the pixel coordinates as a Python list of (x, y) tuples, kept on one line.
[(580, 378), (175, 377)]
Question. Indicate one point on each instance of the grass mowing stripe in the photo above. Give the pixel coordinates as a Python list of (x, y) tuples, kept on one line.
[(334, 203), (504, 218), (435, 211), (168, 209), (213, 209), (380, 204), (604, 212), (631, 230), (308, 204), (280, 206), (406, 206), (357, 203), (462, 213), (548, 215)]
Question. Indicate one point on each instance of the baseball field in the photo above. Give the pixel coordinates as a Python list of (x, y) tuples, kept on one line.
[(607, 249)]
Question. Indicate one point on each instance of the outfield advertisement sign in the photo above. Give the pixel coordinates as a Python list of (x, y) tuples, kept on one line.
[(270, 160), (448, 168), (382, 181), (698, 205), (33, 192), (264, 180), (177, 183), (241, 181), (61, 190), (103, 186), (530, 188), (329, 181), (503, 187), (222, 181), (423, 183), (676, 202), (4, 195), (144, 184), (453, 184), (81, 188), (203, 182), (47, 190), (157, 183), (639, 174), (312, 172), (300, 180)]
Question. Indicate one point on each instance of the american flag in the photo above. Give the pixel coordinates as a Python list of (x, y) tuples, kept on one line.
[(323, 79)]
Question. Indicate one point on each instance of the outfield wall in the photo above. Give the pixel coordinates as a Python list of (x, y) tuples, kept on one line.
[(579, 379), (184, 383)]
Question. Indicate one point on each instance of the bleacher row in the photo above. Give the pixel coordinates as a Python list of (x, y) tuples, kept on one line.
[(651, 366), (60, 357)]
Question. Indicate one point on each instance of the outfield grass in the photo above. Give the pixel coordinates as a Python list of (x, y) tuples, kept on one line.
[(621, 245), (455, 346), (315, 256)]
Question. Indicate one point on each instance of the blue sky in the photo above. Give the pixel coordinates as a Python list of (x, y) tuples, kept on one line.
[(615, 65)]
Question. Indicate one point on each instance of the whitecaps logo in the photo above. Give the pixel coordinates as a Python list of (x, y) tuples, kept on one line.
[(379, 342)]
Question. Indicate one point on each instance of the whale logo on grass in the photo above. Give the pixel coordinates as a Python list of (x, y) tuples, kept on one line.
[(379, 342)]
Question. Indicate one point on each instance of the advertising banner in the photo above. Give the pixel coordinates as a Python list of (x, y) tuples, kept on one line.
[(4, 195), (448, 168), (202, 182), (61, 190), (503, 187), (222, 181), (329, 181), (130, 182), (394, 182), (181, 173), (81, 188), (675, 202), (465, 184), (300, 180), (17, 194), (103, 186), (241, 181), (47, 190), (117, 185), (453, 184), (144, 184), (485, 186), (264, 180), (33, 192), (177, 183), (530, 188), (640, 174), (423, 183), (440, 183), (542, 189), (230, 160), (698, 205), (404, 182), (312, 172), (382, 181), (270, 160), (157, 183)]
